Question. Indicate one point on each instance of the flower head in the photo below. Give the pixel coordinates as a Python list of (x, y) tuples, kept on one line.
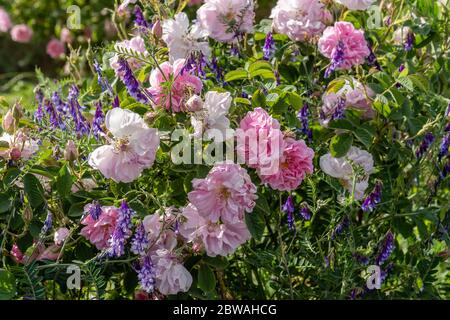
[(300, 20), (224, 20), (269, 46), (147, 274), (182, 40), (344, 45), (98, 231), (132, 150), (172, 85), (356, 4), (372, 199), (21, 33), (5, 20), (386, 249), (226, 193)]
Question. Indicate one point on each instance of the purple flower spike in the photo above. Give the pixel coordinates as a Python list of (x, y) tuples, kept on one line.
[(372, 199), (336, 59), (269, 47), (289, 209), (386, 249)]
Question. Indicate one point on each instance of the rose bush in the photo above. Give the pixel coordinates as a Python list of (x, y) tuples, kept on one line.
[(213, 150)]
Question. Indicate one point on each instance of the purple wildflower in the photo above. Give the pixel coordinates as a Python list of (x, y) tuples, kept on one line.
[(116, 102), (196, 64), (39, 114), (140, 20), (139, 244), (47, 224), (386, 249), (336, 59), (340, 228), (99, 118), (447, 111), (95, 210), (81, 125), (277, 77), (146, 275), (130, 82), (425, 145), (217, 70), (234, 50), (445, 144), (55, 119), (372, 199), (122, 231), (302, 115), (102, 81), (59, 104), (409, 44), (372, 59), (339, 110), (361, 259), (288, 208), (269, 47), (447, 127), (305, 213)]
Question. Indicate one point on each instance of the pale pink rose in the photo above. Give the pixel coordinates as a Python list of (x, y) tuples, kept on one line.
[(342, 169), (99, 231), (300, 20), (5, 21), (132, 150), (183, 86), (16, 254), (135, 44), (352, 95), (212, 119), (171, 276), (184, 40), (356, 4), (21, 33), (352, 42), (194, 103), (60, 236), (55, 48), (295, 163), (20, 146), (66, 35), (217, 239), (257, 128), (226, 193), (224, 20)]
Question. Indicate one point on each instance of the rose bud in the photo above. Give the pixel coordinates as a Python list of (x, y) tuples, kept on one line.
[(194, 103), (70, 152)]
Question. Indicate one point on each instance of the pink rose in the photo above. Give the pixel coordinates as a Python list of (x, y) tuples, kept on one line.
[(183, 86), (226, 193), (99, 231), (5, 21), (171, 276), (345, 44), (21, 33), (55, 48), (224, 20), (60, 236), (295, 163), (217, 239), (261, 141), (300, 20)]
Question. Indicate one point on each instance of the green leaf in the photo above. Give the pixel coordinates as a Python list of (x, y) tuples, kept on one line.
[(5, 203), (33, 189), (258, 99), (63, 181), (206, 278), (219, 263), (236, 75), (406, 82), (7, 285), (295, 100), (76, 210), (365, 134), (242, 101), (259, 65), (340, 144)]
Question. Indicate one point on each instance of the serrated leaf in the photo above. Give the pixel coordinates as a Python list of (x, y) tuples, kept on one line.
[(340, 144)]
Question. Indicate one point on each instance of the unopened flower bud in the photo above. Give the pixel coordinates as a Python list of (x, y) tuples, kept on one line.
[(194, 103), (8, 122), (27, 215), (17, 111), (15, 154), (157, 30), (60, 236), (70, 152)]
